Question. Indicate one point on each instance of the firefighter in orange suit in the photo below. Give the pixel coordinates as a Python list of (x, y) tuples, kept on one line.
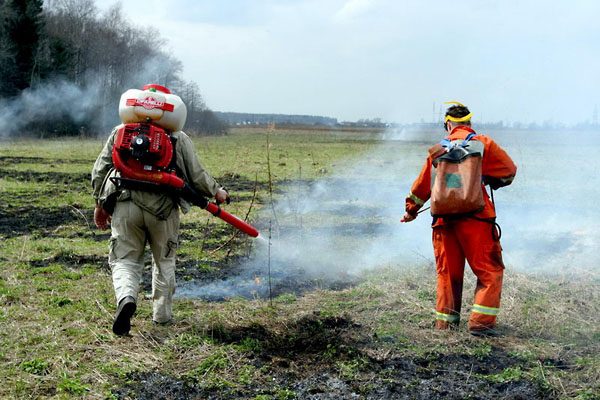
[(473, 237)]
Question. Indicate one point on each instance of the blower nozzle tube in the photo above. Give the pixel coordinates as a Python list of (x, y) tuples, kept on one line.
[(190, 195), (231, 219)]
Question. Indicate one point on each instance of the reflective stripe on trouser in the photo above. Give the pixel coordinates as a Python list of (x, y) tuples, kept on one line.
[(478, 308), (445, 321), (471, 240), (131, 228)]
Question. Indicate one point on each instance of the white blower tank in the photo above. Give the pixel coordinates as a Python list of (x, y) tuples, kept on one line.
[(155, 102)]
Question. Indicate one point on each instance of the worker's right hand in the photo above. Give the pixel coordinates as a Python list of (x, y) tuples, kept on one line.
[(408, 217), (221, 196), (101, 218)]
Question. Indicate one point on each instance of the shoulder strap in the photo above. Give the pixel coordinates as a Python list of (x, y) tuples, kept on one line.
[(173, 163), (447, 143), (469, 137)]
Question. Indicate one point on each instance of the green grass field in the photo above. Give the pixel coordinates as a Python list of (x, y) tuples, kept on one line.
[(371, 339)]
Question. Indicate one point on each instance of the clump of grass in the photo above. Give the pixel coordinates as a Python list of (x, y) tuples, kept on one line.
[(36, 366)]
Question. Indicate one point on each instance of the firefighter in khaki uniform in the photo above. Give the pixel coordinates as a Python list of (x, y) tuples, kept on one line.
[(472, 236), (140, 216)]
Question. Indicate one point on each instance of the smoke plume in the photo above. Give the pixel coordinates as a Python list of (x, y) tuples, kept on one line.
[(326, 232), (90, 107), (46, 103), (548, 214), (333, 229)]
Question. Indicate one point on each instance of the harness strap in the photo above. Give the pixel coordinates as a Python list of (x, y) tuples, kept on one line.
[(496, 230)]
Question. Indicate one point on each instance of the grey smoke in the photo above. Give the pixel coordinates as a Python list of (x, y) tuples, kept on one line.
[(45, 102), (92, 102), (335, 228)]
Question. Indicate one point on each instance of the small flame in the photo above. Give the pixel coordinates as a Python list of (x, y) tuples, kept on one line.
[(257, 280)]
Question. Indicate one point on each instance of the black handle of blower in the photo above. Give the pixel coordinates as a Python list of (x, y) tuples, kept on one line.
[(186, 192), (189, 194)]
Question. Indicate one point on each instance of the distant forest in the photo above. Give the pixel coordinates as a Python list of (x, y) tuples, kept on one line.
[(64, 66)]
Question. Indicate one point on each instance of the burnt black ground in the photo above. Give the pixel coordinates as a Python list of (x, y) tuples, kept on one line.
[(74, 180), (10, 160), (298, 361), (327, 385), (23, 220), (22, 214), (71, 260)]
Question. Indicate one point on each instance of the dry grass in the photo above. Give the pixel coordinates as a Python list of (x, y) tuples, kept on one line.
[(386, 318), (57, 305)]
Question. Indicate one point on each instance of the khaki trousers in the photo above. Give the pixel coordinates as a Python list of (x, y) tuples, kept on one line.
[(131, 228)]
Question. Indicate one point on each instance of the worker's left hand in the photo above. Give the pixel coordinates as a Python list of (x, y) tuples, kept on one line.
[(221, 196)]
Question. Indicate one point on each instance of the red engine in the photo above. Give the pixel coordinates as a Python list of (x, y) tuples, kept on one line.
[(144, 152)]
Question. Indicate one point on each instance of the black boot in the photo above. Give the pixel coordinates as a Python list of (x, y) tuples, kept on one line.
[(125, 311)]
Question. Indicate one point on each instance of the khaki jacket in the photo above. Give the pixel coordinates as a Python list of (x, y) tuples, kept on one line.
[(159, 204)]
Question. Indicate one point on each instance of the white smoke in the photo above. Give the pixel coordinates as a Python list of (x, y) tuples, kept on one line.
[(406, 134), (338, 227), (548, 214), (333, 229)]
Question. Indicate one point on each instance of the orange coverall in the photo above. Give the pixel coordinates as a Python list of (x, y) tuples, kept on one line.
[(455, 239)]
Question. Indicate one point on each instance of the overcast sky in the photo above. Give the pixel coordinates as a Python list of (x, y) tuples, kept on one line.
[(527, 60)]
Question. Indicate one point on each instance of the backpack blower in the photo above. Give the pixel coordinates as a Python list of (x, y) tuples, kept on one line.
[(143, 154), (144, 151)]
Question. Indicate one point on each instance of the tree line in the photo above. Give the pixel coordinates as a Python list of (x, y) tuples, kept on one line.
[(64, 66), (235, 118)]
